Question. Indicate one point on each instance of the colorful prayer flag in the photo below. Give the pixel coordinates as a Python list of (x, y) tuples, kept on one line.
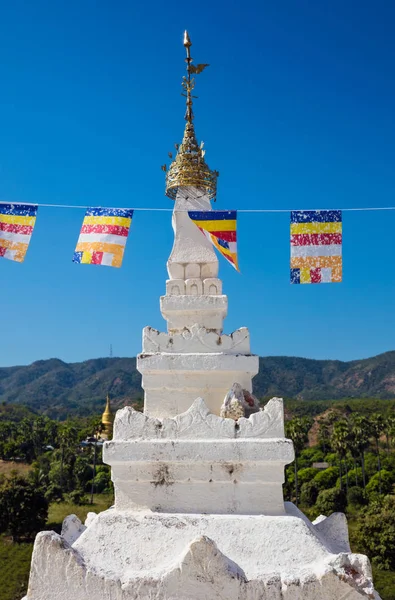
[(219, 227), (316, 246), (103, 236), (16, 227)]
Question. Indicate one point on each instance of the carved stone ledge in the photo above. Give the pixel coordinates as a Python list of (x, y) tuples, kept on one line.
[(196, 339), (199, 423)]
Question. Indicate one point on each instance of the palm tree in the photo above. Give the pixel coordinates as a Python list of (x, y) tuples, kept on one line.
[(376, 430), (389, 430), (324, 434), (340, 441), (297, 429), (353, 449), (98, 428), (360, 439), (68, 437)]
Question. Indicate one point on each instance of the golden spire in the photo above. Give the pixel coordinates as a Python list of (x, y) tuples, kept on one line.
[(108, 419), (187, 83), (189, 167)]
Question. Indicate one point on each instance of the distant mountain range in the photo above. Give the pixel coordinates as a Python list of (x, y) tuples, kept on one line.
[(59, 389)]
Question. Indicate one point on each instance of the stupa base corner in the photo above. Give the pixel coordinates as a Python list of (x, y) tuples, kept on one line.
[(192, 557)]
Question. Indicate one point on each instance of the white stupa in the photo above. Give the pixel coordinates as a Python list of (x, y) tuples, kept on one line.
[(199, 511)]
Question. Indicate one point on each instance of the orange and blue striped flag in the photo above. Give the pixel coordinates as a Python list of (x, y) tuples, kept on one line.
[(316, 246), (16, 227), (103, 236), (220, 228)]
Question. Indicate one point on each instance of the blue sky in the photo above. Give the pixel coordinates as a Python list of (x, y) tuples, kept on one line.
[(296, 111)]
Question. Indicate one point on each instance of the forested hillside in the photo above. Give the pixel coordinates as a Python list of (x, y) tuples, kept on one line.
[(58, 389)]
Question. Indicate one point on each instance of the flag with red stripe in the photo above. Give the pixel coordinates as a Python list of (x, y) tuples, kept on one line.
[(16, 227), (219, 227), (103, 236), (316, 246)]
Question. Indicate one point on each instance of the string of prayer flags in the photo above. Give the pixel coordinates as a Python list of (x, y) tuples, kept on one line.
[(103, 236), (316, 238), (316, 246), (16, 227), (219, 227)]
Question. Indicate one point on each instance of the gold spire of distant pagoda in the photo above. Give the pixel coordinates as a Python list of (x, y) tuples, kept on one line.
[(107, 420), (189, 167)]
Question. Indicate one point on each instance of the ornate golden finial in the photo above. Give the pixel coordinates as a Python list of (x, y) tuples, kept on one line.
[(187, 83), (189, 167)]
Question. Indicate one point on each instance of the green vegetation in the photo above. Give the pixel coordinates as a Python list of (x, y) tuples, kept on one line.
[(363, 406), (15, 565), (384, 581), (46, 475), (23, 508), (312, 380), (358, 446), (376, 532), (15, 557), (60, 390), (60, 510)]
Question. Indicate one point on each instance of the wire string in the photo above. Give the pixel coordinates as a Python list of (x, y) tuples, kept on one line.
[(243, 210)]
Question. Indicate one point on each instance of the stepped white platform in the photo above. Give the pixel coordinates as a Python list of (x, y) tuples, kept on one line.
[(199, 515)]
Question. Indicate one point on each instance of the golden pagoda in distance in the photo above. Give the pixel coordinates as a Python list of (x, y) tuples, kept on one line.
[(107, 421)]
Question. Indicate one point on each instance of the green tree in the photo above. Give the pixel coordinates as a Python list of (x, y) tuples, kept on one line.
[(330, 501), (102, 482), (355, 474), (309, 493), (7, 433), (376, 533), (23, 508), (61, 474), (77, 497), (356, 496), (327, 478), (306, 474), (380, 483), (23, 440), (310, 455)]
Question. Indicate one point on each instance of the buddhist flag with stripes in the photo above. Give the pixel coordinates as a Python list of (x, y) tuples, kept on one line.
[(316, 246), (16, 227), (219, 227), (103, 236)]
